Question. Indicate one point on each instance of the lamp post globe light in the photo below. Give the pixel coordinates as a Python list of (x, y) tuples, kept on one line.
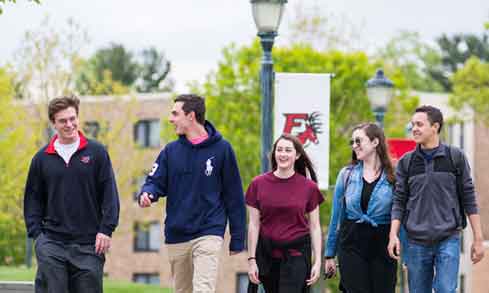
[(267, 15), (379, 91)]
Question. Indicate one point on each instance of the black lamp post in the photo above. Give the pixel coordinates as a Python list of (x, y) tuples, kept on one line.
[(267, 15), (379, 91)]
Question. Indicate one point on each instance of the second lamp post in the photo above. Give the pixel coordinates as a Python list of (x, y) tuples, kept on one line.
[(379, 91)]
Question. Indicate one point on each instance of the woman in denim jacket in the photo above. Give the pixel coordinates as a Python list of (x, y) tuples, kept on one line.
[(360, 221)]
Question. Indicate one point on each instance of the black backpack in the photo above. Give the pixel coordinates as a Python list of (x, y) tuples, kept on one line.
[(454, 160)]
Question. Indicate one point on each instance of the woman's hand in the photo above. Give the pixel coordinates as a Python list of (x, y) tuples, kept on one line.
[(253, 272), (330, 268), (315, 273)]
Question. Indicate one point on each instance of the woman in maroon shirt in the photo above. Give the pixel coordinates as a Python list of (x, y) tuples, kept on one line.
[(284, 221)]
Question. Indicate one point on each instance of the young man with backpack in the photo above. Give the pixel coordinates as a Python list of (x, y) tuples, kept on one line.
[(433, 192)]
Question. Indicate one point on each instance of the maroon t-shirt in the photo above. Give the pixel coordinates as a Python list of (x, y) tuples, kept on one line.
[(283, 204)]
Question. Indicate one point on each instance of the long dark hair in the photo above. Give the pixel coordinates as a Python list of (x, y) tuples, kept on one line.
[(303, 164), (373, 131)]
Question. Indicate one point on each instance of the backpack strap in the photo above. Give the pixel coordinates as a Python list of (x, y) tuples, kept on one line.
[(455, 158), (410, 158)]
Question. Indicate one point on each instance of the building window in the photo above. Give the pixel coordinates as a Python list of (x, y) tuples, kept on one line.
[(241, 282), (91, 129), (147, 133), (146, 278), (147, 237)]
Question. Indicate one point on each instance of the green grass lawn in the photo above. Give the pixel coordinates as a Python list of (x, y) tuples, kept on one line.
[(110, 286)]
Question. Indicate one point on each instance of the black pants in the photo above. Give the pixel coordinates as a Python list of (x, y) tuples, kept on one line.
[(287, 275), (63, 268), (365, 265)]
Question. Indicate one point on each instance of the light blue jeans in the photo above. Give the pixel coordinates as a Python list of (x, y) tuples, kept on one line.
[(433, 266)]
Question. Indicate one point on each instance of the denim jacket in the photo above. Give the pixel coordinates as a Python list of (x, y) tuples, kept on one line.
[(379, 206)]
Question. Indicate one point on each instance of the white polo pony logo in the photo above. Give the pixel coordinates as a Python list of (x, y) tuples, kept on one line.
[(208, 166)]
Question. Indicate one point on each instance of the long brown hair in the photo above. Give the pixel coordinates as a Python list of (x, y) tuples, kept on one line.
[(303, 164), (373, 131)]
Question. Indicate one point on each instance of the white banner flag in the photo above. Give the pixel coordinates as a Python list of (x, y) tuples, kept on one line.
[(301, 107)]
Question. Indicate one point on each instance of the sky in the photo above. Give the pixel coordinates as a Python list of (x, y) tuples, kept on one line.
[(192, 33)]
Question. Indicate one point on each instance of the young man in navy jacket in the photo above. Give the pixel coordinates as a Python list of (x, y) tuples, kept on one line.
[(199, 175), (71, 206)]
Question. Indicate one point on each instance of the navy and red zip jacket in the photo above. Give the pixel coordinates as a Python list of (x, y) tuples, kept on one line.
[(75, 201)]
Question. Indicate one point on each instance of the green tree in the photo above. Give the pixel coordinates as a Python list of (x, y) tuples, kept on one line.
[(46, 60), (116, 70), (155, 68), (88, 83), (456, 50), (2, 2), (414, 59), (112, 65), (16, 146), (117, 60), (43, 67), (233, 97), (471, 89)]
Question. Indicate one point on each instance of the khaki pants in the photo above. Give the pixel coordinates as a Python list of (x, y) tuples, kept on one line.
[(194, 264)]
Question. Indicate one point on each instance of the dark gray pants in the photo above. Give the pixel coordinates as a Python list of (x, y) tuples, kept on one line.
[(63, 268)]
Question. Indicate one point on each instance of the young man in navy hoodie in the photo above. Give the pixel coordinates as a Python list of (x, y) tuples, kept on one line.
[(199, 175), (71, 206)]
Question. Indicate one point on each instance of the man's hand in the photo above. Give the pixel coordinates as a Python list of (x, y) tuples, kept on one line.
[(394, 247), (102, 243), (145, 200), (477, 251)]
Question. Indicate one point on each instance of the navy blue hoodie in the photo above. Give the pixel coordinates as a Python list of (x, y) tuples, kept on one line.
[(203, 189)]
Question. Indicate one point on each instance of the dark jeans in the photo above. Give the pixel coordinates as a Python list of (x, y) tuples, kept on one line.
[(365, 265), (287, 275), (63, 268)]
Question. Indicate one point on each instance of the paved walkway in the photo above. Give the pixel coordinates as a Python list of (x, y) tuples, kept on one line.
[(16, 287)]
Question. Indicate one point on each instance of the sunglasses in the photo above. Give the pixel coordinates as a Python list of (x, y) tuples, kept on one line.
[(357, 141)]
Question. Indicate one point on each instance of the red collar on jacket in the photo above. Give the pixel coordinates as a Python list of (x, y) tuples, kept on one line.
[(83, 143)]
